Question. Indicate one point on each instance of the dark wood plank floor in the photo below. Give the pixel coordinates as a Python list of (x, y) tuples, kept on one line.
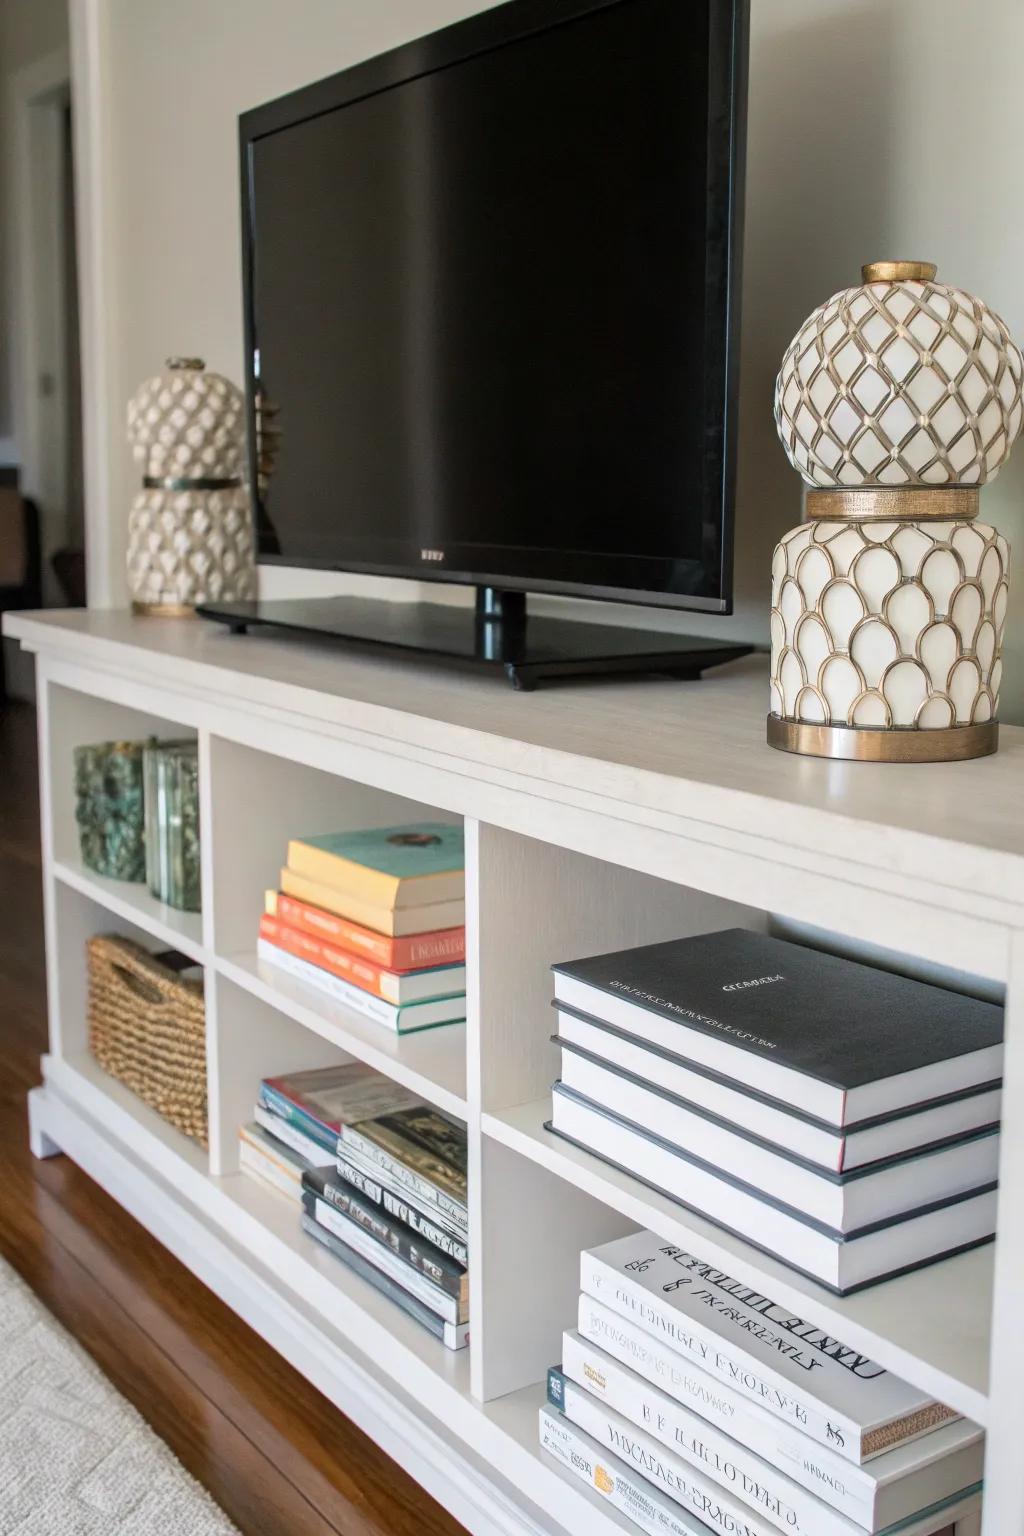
[(275, 1455)]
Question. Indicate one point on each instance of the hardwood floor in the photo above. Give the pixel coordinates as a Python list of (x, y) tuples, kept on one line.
[(274, 1453)]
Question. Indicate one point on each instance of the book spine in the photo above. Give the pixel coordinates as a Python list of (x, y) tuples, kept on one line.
[(375, 1277), (292, 1136), (373, 886), (446, 947), (851, 1490), (285, 1108), (726, 1363), (730, 1463), (630, 1494), (406, 1178), (327, 899), (407, 922), (424, 1227), (431, 1225), (351, 1231), (259, 1166), (359, 973), (342, 991), (634, 1445), (431, 1262), (337, 930)]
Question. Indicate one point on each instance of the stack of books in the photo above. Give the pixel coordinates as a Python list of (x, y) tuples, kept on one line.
[(693, 1403), (375, 919), (393, 1209), (298, 1118), (839, 1117)]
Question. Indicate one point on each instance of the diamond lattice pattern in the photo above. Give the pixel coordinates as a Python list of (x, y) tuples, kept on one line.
[(904, 383)]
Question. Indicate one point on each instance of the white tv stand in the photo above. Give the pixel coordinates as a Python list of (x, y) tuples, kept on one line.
[(595, 817)]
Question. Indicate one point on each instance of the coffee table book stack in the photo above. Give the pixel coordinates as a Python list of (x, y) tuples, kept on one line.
[(841, 1118), (378, 1178), (695, 1404), (376, 920)]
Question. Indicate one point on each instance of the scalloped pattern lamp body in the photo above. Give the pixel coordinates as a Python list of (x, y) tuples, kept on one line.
[(190, 528), (896, 401)]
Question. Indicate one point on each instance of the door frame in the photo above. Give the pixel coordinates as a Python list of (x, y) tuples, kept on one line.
[(38, 98)]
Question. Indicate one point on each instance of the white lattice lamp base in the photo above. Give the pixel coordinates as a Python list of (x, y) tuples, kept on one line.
[(895, 401), (887, 632)]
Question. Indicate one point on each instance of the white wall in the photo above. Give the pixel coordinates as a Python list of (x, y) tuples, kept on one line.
[(29, 30), (875, 129)]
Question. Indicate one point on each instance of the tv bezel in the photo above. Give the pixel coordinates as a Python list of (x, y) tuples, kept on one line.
[(503, 24)]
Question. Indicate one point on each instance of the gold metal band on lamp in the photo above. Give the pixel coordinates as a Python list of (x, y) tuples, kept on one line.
[(952, 744), (893, 504), (164, 610), (898, 272)]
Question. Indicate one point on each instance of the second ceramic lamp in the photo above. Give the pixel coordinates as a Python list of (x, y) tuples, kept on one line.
[(896, 401)]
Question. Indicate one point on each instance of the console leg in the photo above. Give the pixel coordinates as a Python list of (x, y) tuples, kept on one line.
[(40, 1144)]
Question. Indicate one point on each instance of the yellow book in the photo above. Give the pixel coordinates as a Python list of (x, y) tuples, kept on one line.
[(415, 865), (395, 922)]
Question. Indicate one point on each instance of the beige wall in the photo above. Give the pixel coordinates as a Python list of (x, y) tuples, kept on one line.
[(874, 129), (29, 30)]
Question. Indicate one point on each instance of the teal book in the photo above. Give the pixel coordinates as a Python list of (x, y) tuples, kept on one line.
[(389, 867)]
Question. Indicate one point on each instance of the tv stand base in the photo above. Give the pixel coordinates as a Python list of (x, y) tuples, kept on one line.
[(494, 637)]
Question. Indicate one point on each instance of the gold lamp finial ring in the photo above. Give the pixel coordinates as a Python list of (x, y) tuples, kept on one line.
[(898, 272)]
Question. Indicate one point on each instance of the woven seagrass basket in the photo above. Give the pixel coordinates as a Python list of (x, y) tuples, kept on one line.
[(146, 1028)]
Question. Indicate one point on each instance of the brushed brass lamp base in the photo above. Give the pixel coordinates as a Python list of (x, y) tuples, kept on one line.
[(951, 744), (164, 610)]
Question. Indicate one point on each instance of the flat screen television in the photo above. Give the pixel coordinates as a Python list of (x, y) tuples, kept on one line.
[(491, 283)]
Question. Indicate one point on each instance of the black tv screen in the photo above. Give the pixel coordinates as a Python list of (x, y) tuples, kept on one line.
[(491, 281)]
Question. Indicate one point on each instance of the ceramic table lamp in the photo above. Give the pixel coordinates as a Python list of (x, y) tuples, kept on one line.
[(190, 529), (896, 401)]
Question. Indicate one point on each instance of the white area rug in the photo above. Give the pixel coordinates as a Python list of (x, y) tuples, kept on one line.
[(76, 1459)]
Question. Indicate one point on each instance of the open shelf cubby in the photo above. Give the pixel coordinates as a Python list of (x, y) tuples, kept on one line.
[(578, 840)]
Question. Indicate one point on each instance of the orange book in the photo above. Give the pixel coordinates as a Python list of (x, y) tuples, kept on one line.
[(445, 947), (398, 987)]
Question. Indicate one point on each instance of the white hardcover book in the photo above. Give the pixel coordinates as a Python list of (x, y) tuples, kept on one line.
[(843, 1261), (891, 1488), (818, 1142), (293, 1136), (842, 1201), (719, 1508), (812, 1381), (402, 1019), (725, 1461), (389, 1263), (621, 1487)]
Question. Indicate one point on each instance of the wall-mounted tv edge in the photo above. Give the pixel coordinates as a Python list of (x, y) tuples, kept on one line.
[(491, 285)]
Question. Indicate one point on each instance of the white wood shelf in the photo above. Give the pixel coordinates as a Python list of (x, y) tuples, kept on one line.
[(916, 1325), (430, 1062), (255, 1256), (132, 901), (596, 818)]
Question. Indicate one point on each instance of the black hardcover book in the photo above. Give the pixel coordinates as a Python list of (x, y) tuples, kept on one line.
[(845, 1261), (372, 1184), (453, 1336), (424, 1257), (831, 1037)]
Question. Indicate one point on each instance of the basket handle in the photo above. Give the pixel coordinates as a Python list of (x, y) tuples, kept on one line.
[(143, 986)]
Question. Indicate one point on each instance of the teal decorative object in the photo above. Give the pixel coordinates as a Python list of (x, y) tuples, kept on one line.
[(172, 823), (109, 808)]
